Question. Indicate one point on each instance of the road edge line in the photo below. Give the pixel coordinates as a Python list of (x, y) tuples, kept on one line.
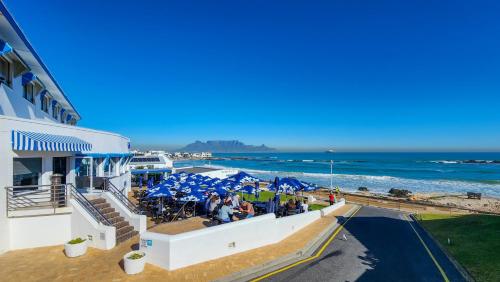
[(462, 270), (318, 253), (436, 263)]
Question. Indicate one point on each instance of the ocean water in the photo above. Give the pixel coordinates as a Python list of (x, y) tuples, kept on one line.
[(417, 172)]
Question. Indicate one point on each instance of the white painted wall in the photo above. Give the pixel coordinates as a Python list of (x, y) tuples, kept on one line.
[(83, 225), (13, 104), (286, 226), (122, 182), (6, 171), (176, 251), (102, 142), (330, 209), (39, 231), (139, 222), (220, 173)]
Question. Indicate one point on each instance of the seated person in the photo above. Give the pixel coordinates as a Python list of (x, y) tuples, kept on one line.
[(290, 207), (225, 212), (305, 206), (214, 202), (247, 209), (235, 199)]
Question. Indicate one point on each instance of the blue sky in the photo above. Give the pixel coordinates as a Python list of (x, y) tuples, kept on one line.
[(352, 75)]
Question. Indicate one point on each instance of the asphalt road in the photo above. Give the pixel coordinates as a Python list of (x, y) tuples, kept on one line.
[(381, 246)]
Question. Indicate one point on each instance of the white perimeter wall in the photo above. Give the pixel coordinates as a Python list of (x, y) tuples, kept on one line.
[(83, 225), (39, 231), (181, 250)]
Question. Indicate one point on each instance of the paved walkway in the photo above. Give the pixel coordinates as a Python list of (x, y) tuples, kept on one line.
[(50, 263), (381, 246)]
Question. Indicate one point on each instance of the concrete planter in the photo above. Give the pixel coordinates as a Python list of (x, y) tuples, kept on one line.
[(75, 250), (134, 266)]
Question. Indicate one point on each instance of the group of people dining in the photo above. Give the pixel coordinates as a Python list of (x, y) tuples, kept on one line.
[(232, 207), (229, 208)]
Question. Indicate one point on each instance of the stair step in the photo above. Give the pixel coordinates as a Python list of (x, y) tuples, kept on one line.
[(97, 201), (116, 219), (107, 210), (111, 215), (126, 236), (124, 230), (102, 206), (120, 224)]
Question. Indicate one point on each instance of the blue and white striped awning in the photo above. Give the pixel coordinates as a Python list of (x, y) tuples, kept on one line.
[(32, 141)]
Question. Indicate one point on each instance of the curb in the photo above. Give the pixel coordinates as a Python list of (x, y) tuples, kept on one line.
[(307, 251), (466, 275)]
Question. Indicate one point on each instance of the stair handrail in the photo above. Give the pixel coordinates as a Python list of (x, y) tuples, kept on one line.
[(109, 186), (88, 206)]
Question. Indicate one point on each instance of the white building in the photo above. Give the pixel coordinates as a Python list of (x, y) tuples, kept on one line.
[(151, 161), (39, 140)]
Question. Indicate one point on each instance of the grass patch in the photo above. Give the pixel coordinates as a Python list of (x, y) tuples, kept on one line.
[(475, 241), (315, 207), (265, 196)]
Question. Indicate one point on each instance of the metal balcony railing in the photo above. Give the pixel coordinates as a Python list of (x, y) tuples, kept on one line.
[(109, 186), (88, 206), (35, 197), (42, 197)]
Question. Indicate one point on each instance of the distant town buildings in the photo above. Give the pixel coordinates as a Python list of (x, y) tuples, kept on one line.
[(175, 155)]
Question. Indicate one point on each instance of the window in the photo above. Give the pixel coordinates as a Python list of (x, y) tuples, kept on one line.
[(5, 72), (63, 117), (27, 171), (55, 112), (45, 104), (82, 167), (29, 92)]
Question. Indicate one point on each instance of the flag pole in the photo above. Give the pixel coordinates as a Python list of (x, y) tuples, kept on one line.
[(331, 175)]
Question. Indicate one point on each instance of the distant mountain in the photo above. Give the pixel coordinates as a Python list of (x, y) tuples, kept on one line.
[(220, 146)]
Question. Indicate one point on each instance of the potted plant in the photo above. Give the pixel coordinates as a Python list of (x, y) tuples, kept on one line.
[(75, 248), (134, 262)]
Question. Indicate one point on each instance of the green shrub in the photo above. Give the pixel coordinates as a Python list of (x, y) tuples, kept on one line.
[(135, 256), (76, 241)]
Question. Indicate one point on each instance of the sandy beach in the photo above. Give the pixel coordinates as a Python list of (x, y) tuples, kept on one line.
[(485, 204)]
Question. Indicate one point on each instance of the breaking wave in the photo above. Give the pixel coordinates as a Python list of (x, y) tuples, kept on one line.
[(382, 184)]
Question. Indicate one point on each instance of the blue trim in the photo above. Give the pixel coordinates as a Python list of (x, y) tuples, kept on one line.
[(5, 48), (10, 19), (152, 170), (105, 155), (28, 77), (34, 141)]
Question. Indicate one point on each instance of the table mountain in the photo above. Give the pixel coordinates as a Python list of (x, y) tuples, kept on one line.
[(220, 146)]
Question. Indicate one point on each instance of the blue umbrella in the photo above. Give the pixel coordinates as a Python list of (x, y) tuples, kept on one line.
[(242, 177), (289, 185), (194, 197), (159, 191), (307, 187), (248, 189)]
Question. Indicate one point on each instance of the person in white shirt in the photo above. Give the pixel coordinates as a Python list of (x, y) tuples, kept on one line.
[(305, 206), (236, 201)]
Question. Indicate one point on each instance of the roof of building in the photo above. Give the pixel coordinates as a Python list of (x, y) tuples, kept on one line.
[(12, 33)]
